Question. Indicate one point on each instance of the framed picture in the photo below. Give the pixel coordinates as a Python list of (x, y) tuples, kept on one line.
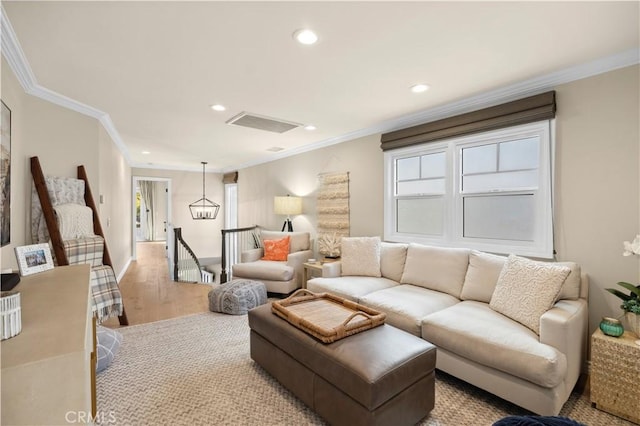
[(5, 175), (34, 258)]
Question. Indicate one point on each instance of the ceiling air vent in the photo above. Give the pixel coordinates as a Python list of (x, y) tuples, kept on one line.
[(260, 122)]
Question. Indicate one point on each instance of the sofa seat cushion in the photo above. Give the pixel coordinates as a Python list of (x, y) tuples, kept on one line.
[(264, 269), (352, 288), (407, 305), (475, 331)]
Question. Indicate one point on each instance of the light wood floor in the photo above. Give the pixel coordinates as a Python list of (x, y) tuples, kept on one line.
[(148, 293)]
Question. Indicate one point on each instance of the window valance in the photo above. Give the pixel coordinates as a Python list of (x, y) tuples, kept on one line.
[(522, 111), (231, 177)]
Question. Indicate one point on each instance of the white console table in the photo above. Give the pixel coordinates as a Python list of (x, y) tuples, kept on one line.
[(48, 370)]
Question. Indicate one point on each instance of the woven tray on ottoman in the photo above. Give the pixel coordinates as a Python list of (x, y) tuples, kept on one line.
[(325, 316), (237, 296)]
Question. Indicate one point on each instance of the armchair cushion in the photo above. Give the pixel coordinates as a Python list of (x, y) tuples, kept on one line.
[(276, 249), (264, 269)]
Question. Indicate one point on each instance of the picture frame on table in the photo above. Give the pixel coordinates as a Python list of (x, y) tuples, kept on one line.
[(34, 258)]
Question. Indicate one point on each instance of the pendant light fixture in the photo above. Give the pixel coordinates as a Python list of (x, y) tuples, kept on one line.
[(204, 209)]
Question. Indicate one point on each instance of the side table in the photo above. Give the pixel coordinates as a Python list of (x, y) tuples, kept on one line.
[(311, 267), (615, 369)]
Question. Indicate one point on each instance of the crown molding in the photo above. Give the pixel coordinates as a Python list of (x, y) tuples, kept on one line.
[(159, 166), (13, 53), (484, 100), (16, 59)]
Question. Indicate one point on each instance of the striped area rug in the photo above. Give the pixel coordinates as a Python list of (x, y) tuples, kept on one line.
[(196, 370)]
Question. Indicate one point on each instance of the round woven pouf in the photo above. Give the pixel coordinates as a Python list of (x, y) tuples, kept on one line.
[(237, 296)]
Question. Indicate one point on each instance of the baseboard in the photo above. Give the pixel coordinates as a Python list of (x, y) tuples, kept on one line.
[(124, 270)]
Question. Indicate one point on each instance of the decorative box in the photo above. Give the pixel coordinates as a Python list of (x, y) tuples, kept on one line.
[(615, 368), (10, 314)]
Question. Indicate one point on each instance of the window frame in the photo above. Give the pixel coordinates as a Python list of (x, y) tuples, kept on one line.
[(453, 226)]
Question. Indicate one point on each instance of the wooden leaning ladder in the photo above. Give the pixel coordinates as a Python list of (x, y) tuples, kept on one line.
[(52, 224)]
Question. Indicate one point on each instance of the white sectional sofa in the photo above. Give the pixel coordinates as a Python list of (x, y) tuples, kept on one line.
[(446, 296)]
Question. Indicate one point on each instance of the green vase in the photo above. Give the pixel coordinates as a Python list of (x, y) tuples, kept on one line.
[(611, 327)]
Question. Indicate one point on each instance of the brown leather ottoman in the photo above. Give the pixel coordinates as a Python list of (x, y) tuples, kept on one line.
[(382, 376)]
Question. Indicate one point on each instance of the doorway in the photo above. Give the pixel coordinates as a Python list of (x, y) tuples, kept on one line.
[(151, 210)]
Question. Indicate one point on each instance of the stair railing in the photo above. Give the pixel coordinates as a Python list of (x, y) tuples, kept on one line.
[(234, 242), (186, 267)]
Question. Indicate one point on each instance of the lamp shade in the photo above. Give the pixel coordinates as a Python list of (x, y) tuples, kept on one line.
[(287, 205)]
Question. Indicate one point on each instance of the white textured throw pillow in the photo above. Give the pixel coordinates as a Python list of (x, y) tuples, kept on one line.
[(526, 289), (361, 256)]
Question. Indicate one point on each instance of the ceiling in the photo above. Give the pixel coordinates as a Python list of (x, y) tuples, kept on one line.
[(153, 69)]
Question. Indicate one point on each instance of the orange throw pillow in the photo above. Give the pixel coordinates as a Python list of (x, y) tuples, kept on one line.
[(276, 249)]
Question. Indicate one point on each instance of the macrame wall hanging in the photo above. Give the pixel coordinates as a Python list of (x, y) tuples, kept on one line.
[(333, 212)]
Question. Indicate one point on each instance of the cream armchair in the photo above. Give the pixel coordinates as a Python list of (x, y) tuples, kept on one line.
[(278, 276)]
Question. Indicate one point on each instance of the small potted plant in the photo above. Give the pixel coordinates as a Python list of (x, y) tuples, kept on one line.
[(630, 302)]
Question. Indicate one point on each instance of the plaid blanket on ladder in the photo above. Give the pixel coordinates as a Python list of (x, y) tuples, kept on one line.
[(107, 300)]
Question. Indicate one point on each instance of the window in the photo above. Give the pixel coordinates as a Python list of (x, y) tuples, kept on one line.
[(231, 205), (490, 191)]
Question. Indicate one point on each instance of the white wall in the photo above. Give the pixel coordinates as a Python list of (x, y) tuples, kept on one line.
[(115, 187), (298, 175), (597, 182), (203, 236), (160, 211), (62, 139), (597, 203)]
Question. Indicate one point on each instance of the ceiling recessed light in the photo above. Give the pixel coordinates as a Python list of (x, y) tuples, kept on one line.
[(146, 152), (275, 149), (305, 36), (419, 88), (309, 127), (218, 107)]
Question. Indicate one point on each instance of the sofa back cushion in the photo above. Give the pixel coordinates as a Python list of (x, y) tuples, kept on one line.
[(484, 270), (361, 256), (392, 259), (482, 276), (298, 241), (436, 268), (571, 287)]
